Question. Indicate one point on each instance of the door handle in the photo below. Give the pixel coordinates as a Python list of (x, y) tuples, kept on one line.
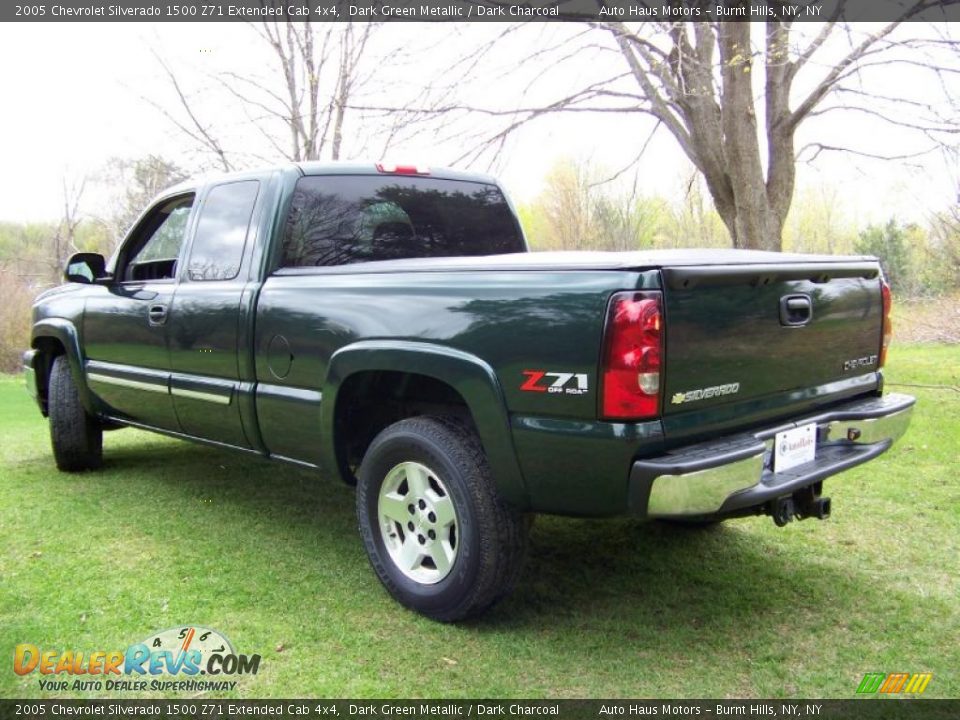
[(157, 314), (796, 310)]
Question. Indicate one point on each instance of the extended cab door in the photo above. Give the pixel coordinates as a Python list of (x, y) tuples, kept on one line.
[(124, 322), (208, 315)]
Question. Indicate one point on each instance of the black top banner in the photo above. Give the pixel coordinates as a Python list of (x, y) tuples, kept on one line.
[(411, 709), (481, 10)]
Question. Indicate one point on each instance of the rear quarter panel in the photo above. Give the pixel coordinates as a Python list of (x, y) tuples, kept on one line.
[(550, 321)]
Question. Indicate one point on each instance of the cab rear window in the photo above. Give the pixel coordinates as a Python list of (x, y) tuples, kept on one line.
[(339, 220)]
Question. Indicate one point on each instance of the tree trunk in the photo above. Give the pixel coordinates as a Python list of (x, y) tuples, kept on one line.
[(752, 221)]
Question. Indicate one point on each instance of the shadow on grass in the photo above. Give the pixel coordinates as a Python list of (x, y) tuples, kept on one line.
[(674, 580), (611, 580)]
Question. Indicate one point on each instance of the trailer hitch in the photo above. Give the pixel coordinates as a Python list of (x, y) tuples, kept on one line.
[(804, 503)]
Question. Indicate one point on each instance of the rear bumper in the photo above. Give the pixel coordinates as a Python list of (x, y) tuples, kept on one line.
[(736, 473)]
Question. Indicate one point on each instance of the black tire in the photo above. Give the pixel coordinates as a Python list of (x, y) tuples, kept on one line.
[(77, 438), (491, 537)]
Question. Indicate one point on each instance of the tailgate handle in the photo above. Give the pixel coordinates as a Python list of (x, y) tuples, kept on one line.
[(795, 310)]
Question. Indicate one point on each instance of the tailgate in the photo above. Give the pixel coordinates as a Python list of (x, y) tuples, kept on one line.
[(762, 340)]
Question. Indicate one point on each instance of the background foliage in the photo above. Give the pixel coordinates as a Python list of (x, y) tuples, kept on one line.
[(580, 208)]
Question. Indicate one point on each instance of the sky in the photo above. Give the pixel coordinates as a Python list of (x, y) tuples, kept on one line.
[(78, 94)]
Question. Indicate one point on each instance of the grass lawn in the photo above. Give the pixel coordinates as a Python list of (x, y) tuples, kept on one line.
[(170, 533)]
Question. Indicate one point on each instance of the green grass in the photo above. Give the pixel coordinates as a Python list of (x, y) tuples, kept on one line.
[(171, 533)]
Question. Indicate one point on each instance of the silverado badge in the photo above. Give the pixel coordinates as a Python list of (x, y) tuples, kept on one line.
[(705, 393)]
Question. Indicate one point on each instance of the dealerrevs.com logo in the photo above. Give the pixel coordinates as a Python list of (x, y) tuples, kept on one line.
[(894, 683), (187, 658)]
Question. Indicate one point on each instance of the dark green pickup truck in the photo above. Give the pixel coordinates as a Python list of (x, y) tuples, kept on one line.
[(387, 323)]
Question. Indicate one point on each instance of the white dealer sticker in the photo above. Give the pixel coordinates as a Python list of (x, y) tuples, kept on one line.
[(795, 447)]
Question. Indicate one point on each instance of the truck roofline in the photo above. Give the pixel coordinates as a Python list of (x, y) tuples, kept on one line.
[(337, 167), (370, 168)]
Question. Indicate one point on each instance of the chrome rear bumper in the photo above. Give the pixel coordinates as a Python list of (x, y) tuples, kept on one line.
[(734, 473)]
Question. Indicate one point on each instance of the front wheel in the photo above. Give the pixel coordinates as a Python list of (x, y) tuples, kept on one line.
[(76, 436), (438, 535)]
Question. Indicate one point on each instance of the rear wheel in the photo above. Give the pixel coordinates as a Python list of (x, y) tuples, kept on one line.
[(438, 535), (76, 436)]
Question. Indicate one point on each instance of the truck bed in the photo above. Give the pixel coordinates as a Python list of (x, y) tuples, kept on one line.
[(596, 260)]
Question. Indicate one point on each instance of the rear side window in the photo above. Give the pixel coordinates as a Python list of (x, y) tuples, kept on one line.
[(356, 218), (222, 231)]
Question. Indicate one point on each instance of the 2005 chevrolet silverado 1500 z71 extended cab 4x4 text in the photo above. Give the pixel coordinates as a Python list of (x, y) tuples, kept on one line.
[(388, 324)]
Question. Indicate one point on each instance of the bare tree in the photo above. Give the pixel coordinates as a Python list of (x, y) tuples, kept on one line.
[(945, 235), (191, 125), (63, 242), (132, 184), (317, 72), (567, 206), (733, 95), (312, 97), (575, 211)]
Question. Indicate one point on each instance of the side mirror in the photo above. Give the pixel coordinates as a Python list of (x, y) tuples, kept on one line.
[(85, 268)]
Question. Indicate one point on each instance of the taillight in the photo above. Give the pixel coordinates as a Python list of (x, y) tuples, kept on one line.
[(632, 347), (394, 169), (887, 299)]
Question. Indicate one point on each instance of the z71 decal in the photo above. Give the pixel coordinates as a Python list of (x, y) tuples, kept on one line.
[(555, 382)]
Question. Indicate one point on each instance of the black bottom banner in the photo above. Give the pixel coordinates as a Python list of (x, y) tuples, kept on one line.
[(864, 709)]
